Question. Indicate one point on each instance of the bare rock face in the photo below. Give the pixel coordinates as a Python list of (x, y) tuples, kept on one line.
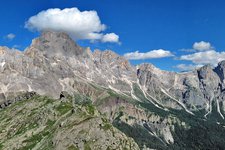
[(190, 91), (54, 63), (220, 70), (53, 44)]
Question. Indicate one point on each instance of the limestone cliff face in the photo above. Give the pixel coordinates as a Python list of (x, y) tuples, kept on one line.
[(54, 62), (191, 90)]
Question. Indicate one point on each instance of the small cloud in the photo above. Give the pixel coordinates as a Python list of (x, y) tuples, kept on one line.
[(160, 53), (79, 24), (184, 67), (110, 37), (198, 46), (10, 36), (204, 53), (202, 46)]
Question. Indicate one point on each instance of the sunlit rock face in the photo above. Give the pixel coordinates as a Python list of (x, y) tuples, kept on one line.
[(53, 62), (194, 90)]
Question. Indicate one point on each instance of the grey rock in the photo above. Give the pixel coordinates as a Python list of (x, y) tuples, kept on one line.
[(55, 63)]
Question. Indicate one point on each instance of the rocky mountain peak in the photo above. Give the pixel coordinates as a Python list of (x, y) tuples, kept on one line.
[(222, 63), (57, 44), (220, 70), (147, 66), (108, 57), (206, 72), (154, 70)]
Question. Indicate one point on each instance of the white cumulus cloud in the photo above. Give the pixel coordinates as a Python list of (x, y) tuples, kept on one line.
[(160, 53), (205, 57), (202, 46), (79, 24), (110, 37), (204, 54), (10, 36)]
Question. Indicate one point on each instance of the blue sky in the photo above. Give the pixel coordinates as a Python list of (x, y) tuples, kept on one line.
[(141, 25)]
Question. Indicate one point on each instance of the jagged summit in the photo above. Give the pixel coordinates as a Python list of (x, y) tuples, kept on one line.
[(55, 44)]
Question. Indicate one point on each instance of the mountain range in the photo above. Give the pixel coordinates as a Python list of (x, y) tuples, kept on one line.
[(58, 95)]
